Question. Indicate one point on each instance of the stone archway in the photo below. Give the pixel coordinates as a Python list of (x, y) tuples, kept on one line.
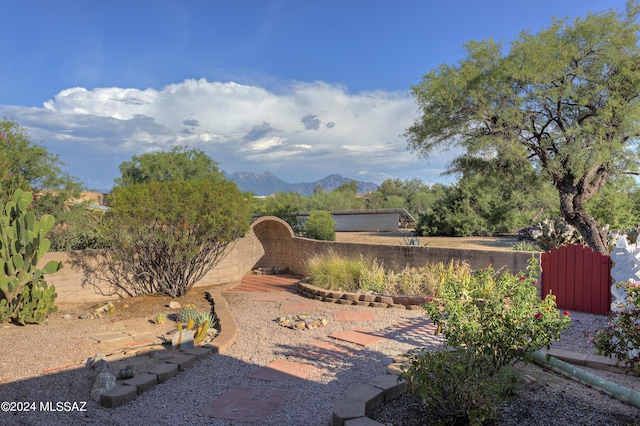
[(276, 237)]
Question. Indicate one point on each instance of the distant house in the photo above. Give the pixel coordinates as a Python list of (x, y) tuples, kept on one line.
[(378, 220)]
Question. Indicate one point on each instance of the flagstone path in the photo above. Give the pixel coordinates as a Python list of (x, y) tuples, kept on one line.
[(254, 405)]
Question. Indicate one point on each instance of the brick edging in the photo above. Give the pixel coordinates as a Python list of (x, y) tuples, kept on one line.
[(361, 299), (131, 388)]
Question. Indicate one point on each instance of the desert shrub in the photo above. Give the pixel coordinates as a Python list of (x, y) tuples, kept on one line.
[(168, 235), (320, 226), (491, 320), (335, 272), (458, 386), (621, 337)]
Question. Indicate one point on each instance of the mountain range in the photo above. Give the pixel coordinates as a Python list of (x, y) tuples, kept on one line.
[(267, 183)]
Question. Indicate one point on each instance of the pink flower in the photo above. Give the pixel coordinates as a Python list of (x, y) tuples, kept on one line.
[(538, 315), (535, 283), (522, 278), (566, 313), (548, 308), (429, 300)]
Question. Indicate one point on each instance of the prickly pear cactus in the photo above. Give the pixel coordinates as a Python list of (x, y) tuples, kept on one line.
[(24, 294), (552, 233)]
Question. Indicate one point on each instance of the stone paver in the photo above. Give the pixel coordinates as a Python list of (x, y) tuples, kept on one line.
[(298, 306), (282, 370), (359, 336), (322, 351), (354, 316), (246, 404), (110, 337)]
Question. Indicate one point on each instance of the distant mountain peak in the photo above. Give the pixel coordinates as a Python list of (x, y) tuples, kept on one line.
[(267, 183)]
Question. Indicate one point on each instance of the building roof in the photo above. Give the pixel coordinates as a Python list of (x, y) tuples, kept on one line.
[(405, 216)]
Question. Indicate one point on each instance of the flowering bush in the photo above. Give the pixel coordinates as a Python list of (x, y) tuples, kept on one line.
[(498, 315), (621, 337), (490, 320)]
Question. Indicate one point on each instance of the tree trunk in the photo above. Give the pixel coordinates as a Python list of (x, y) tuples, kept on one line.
[(576, 215)]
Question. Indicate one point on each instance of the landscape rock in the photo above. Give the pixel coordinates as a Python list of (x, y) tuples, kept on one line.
[(105, 379), (302, 321), (86, 316), (174, 305), (182, 340)]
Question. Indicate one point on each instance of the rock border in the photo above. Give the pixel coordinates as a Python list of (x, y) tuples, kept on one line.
[(361, 299), (131, 388)]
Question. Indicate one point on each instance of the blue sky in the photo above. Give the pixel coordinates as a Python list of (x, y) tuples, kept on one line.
[(300, 88)]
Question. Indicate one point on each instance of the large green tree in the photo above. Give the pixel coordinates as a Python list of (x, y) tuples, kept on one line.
[(179, 164), (28, 166), (566, 99)]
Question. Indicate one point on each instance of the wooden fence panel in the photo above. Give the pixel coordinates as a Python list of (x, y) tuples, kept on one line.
[(579, 277)]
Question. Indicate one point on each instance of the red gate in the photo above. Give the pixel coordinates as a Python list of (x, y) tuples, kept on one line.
[(579, 277)]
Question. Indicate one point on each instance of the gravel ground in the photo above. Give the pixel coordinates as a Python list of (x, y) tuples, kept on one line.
[(260, 340), (551, 399)]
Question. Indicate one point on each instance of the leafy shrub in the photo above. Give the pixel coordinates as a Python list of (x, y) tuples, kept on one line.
[(498, 315), (452, 217), (621, 337), (320, 226), (492, 320), (457, 386)]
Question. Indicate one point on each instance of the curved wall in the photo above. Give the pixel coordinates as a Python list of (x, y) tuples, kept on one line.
[(270, 242)]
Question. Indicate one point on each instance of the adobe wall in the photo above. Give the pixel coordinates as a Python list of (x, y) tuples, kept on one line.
[(270, 242), (401, 256)]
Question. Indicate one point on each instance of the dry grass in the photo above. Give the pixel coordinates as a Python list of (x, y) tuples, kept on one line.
[(335, 272)]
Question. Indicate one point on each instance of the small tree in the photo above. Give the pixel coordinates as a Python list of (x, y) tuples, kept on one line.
[(320, 226), (168, 235)]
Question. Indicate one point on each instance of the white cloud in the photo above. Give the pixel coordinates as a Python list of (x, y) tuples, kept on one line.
[(301, 133)]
